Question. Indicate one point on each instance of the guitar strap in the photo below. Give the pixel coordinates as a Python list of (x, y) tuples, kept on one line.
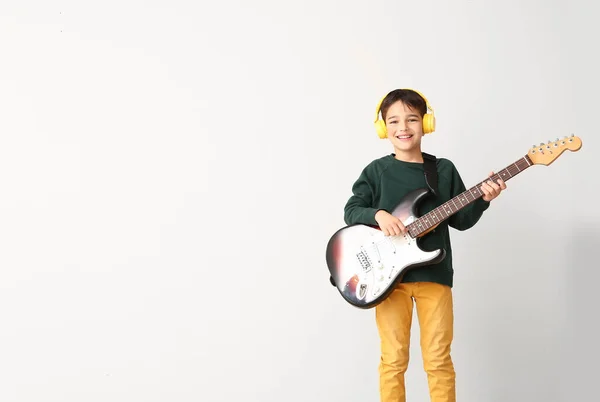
[(431, 178)]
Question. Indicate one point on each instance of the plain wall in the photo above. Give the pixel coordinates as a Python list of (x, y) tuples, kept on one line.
[(171, 172)]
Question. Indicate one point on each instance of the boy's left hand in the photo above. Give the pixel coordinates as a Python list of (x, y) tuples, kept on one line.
[(492, 190)]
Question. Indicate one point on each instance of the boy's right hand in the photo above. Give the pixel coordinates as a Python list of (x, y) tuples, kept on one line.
[(389, 224)]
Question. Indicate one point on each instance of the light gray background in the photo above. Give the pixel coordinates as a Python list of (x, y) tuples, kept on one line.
[(172, 170)]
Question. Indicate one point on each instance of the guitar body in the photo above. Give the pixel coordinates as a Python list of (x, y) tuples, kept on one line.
[(366, 265)]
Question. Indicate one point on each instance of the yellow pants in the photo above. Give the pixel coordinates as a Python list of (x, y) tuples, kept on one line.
[(436, 321)]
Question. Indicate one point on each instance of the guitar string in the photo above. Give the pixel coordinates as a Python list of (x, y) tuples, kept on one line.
[(512, 169), (415, 225)]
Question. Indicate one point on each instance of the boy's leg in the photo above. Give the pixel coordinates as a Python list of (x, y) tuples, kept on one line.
[(394, 316), (436, 321)]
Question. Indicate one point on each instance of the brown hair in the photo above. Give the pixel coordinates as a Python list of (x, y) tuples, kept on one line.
[(407, 96)]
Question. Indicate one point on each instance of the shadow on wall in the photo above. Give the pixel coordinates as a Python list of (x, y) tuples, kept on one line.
[(580, 343), (542, 337)]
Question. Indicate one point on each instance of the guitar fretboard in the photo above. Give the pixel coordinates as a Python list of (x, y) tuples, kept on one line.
[(452, 206)]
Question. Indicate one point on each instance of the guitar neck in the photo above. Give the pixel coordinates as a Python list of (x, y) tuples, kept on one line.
[(452, 206)]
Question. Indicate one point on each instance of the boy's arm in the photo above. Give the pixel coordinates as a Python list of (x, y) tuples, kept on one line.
[(360, 207), (467, 217)]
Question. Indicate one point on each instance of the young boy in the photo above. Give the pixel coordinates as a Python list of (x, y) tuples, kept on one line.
[(377, 191)]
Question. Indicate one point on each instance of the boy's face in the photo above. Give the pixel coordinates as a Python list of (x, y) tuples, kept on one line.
[(404, 127)]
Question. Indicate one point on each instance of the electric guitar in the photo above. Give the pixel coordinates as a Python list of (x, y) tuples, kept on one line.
[(365, 265)]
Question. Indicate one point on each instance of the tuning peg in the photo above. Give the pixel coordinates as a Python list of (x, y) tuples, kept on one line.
[(572, 135)]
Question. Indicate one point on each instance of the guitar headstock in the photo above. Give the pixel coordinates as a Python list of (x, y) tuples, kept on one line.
[(545, 154)]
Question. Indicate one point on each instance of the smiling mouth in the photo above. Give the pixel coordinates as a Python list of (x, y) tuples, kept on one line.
[(404, 137)]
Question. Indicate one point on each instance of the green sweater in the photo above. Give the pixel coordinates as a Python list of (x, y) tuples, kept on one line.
[(386, 180)]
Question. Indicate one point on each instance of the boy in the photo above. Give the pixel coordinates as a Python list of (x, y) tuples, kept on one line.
[(377, 191)]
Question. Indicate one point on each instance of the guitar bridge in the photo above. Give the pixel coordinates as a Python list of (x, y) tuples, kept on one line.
[(364, 260)]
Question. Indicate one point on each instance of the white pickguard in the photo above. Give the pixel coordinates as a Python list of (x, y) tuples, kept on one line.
[(375, 260)]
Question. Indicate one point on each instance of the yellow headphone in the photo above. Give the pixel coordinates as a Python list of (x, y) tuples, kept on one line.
[(428, 119)]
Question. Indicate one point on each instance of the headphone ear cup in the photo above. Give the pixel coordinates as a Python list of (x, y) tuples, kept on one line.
[(381, 129), (428, 123)]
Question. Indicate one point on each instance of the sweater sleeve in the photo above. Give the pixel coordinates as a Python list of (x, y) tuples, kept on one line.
[(468, 216), (360, 208)]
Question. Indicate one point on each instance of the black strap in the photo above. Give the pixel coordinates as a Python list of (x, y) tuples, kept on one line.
[(431, 177)]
